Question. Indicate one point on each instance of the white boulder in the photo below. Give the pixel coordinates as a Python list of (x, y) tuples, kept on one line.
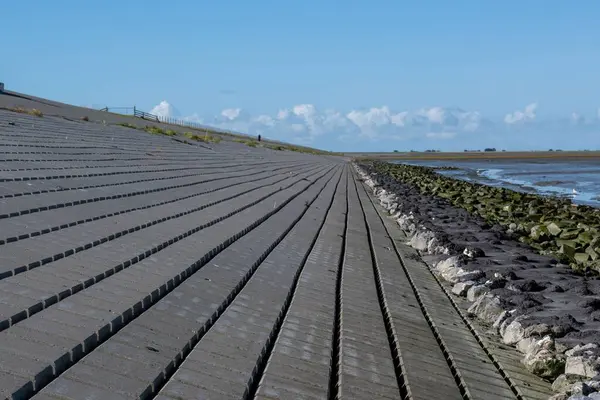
[(542, 359), (583, 365), (515, 331), (461, 288), (476, 292), (487, 308)]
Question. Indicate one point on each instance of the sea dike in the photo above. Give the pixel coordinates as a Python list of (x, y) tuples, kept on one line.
[(526, 265)]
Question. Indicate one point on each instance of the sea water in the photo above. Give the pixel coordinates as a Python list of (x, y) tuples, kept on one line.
[(578, 180)]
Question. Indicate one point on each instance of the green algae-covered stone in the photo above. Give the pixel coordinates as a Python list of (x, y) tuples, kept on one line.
[(549, 224), (554, 229)]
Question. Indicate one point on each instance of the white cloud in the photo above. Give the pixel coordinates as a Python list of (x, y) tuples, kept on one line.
[(371, 121), (231, 113), (304, 110), (380, 127), (472, 120), (193, 118), (521, 116), (435, 114), (164, 109), (372, 118), (297, 127), (264, 120), (306, 123), (283, 114), (400, 118), (577, 118)]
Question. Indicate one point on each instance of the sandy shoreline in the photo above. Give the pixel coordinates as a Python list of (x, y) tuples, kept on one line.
[(530, 301)]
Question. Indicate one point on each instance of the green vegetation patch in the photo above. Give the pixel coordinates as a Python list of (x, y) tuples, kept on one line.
[(206, 138), (33, 111), (285, 147), (299, 149), (277, 147), (551, 225), (155, 130), (307, 150), (247, 142), (128, 125)]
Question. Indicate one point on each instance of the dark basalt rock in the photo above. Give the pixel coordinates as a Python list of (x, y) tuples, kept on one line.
[(527, 279), (554, 225), (590, 304), (528, 285), (556, 289), (558, 326), (474, 252), (580, 337), (511, 276), (496, 283)]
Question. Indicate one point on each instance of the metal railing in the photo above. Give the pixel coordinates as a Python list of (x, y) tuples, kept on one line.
[(133, 111), (170, 120), (145, 115), (120, 110)]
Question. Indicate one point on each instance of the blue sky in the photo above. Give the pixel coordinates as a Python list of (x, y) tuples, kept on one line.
[(365, 75)]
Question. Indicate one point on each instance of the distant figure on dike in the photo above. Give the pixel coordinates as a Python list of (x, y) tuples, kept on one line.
[(259, 138)]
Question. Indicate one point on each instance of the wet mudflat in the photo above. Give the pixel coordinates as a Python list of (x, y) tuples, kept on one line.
[(576, 179)]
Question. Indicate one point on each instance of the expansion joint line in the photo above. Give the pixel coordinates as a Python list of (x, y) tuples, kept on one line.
[(122, 183), (147, 206), (335, 377), (45, 303), (396, 354), (261, 364), (153, 298), (477, 337), (112, 197), (168, 374), (449, 359)]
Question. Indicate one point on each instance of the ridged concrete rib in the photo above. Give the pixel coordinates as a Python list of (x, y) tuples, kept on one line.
[(133, 266), (157, 276), (166, 235), (421, 366), (474, 366), (300, 361), (365, 367)]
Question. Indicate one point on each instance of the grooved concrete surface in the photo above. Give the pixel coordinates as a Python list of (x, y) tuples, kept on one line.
[(133, 266)]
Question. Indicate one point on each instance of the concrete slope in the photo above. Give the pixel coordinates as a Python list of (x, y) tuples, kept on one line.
[(13, 100), (133, 266)]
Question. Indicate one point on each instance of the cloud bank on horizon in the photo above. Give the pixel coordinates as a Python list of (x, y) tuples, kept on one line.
[(382, 129)]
